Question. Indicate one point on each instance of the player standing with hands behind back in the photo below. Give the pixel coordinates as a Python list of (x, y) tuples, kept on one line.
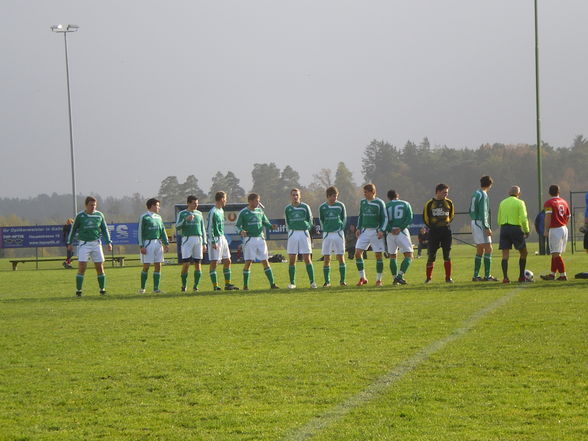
[(89, 226), (437, 215), (152, 240)]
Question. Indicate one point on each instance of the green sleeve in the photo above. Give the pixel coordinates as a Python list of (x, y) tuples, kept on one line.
[(343, 216), (239, 223), (524, 221), (72, 232), (105, 232), (383, 216), (309, 214), (408, 216)]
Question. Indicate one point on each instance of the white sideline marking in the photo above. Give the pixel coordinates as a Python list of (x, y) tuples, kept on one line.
[(321, 422)]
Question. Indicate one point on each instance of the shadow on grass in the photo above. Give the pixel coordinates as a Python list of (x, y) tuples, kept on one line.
[(417, 288)]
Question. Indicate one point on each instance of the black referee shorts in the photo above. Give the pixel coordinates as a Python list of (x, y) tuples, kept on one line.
[(511, 235)]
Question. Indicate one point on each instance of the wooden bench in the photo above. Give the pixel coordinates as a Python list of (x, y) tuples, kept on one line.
[(118, 259)]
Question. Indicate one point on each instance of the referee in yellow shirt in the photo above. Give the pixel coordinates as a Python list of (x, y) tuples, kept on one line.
[(514, 229)]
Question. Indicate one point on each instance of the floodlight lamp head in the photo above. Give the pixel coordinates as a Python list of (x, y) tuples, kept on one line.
[(65, 28)]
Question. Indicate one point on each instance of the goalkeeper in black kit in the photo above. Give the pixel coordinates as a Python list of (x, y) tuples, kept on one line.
[(437, 215)]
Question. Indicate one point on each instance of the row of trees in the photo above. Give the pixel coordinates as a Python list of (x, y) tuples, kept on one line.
[(412, 170)]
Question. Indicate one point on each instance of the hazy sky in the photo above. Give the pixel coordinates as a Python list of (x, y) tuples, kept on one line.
[(193, 87)]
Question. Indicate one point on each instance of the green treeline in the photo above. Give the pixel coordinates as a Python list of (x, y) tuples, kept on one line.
[(413, 170)]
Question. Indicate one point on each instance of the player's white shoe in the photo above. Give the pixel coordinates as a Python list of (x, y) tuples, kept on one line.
[(313, 285), (291, 286), (141, 291)]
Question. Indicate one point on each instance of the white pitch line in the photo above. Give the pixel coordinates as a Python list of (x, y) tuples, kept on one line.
[(321, 422)]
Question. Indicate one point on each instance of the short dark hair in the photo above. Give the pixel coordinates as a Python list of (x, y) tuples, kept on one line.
[(219, 195), (441, 187), (191, 198), (151, 202), (252, 196), (486, 181), (332, 190), (392, 194), (554, 190), (370, 187), (90, 199)]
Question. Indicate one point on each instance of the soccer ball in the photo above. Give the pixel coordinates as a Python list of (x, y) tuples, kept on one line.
[(529, 275)]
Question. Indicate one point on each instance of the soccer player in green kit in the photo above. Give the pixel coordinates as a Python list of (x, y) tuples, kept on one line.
[(398, 236), (250, 224), (371, 225), (218, 249), (89, 226), (298, 223), (190, 225), (333, 218), (152, 241), (481, 231)]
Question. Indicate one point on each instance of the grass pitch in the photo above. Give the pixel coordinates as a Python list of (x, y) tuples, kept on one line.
[(437, 362)]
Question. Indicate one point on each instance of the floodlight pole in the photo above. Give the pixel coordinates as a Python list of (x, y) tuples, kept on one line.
[(537, 107), (65, 29)]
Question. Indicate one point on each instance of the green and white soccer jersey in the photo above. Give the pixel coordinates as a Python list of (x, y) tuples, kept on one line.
[(151, 235), (89, 228), (372, 219), (298, 217), (192, 227), (372, 214), (218, 246), (192, 232), (333, 219), (298, 223), (215, 227), (253, 222), (480, 215), (400, 216)]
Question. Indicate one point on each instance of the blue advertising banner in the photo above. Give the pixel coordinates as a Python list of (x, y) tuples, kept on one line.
[(52, 235)]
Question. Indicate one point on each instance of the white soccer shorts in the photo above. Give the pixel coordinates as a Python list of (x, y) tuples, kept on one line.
[(154, 252), (400, 241), (90, 250), (221, 252), (333, 243), (558, 238), (299, 242), (478, 233), (192, 247), (369, 236), (254, 248)]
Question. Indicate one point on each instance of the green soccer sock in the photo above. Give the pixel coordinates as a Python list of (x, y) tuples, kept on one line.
[(156, 279), (379, 266), (270, 275), (359, 264), (246, 274), (404, 265), (197, 275), (310, 272), (477, 264), (393, 267), (143, 279), (79, 281), (292, 274), (487, 264), (213, 278), (101, 280), (327, 273), (227, 274), (342, 271), (184, 277)]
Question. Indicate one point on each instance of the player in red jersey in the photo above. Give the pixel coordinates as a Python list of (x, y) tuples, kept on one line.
[(557, 215)]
